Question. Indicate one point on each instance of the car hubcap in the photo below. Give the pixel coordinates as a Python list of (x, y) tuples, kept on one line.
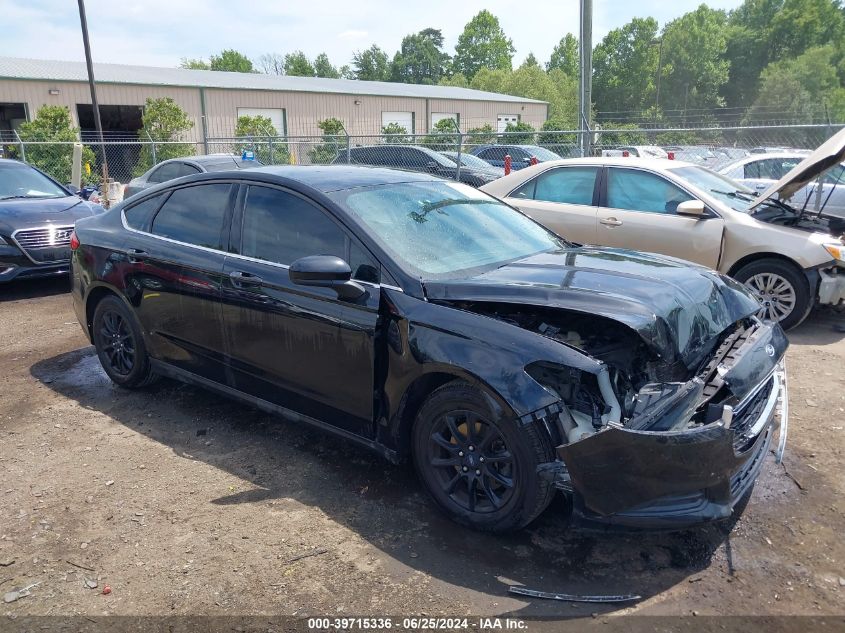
[(117, 343), (471, 462), (775, 293)]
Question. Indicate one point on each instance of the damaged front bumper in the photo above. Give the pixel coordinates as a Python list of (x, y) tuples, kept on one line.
[(673, 479)]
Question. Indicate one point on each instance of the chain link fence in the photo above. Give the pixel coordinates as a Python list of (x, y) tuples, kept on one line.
[(438, 152)]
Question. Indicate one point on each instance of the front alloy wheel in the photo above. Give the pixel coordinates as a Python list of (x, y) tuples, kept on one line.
[(478, 463)]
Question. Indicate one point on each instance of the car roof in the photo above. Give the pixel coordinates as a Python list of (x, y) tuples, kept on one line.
[(621, 161), (201, 159), (327, 178), (13, 163)]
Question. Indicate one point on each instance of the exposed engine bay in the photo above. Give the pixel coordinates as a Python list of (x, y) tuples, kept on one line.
[(635, 389)]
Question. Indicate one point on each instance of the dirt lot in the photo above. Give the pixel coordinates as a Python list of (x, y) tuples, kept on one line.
[(185, 503)]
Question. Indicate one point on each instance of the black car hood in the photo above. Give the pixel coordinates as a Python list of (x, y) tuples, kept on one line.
[(21, 213), (677, 308)]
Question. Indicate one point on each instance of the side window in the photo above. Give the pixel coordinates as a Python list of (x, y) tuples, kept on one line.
[(280, 227), (569, 185), (184, 169), (163, 173), (636, 190), (364, 267), (195, 215), (138, 216), (526, 191), (493, 153)]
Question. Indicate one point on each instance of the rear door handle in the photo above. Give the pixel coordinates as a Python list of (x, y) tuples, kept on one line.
[(241, 279), (136, 255), (611, 222)]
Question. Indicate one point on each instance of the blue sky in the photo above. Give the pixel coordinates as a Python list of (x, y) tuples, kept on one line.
[(161, 32)]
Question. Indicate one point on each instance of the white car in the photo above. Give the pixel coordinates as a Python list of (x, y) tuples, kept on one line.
[(761, 171), (789, 259)]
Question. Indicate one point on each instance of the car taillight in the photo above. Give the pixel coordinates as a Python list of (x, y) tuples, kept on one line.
[(74, 241)]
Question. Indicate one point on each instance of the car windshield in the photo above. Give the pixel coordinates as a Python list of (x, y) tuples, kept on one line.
[(541, 152), (468, 160), (22, 181), (445, 230), (727, 191)]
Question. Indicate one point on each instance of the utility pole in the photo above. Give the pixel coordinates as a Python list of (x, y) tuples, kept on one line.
[(585, 87), (96, 107), (659, 72)]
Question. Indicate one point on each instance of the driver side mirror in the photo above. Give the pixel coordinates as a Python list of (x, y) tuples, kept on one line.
[(691, 207), (72, 188), (326, 271)]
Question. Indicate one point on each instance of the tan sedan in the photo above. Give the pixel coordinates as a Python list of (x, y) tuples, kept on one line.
[(790, 260)]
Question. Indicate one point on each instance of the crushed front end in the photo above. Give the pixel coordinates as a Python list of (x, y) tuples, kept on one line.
[(670, 453)]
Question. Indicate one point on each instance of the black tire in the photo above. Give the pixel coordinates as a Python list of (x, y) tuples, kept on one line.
[(783, 272), (458, 440), (120, 345)]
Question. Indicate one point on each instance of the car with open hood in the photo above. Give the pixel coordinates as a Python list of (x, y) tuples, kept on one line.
[(37, 215), (427, 321), (791, 258)]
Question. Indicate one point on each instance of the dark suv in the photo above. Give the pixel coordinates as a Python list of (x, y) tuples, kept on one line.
[(415, 158)]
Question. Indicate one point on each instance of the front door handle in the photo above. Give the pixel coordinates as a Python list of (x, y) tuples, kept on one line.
[(611, 222), (240, 279)]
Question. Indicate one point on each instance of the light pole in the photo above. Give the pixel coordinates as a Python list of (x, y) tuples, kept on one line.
[(659, 72), (585, 88), (96, 107)]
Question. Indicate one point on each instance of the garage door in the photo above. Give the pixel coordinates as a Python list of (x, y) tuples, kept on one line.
[(503, 119), (439, 116), (276, 115), (405, 119)]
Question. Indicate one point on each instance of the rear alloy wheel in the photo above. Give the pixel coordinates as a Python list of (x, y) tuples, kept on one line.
[(480, 469), (120, 346), (781, 289)]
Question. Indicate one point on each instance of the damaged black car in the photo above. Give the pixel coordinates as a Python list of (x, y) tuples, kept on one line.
[(428, 321)]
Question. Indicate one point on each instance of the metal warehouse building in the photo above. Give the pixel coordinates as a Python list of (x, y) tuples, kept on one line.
[(214, 100)]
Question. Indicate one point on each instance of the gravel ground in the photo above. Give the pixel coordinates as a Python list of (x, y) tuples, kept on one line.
[(185, 503)]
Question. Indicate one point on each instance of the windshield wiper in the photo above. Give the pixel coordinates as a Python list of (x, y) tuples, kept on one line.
[(741, 195), (20, 197)]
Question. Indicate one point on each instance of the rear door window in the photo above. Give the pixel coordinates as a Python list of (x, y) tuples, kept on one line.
[(138, 216), (636, 190), (195, 215), (568, 185)]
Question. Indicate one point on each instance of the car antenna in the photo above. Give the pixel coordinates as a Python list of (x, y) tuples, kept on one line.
[(422, 285)]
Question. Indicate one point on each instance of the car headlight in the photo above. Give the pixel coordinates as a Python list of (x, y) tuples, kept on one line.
[(837, 251)]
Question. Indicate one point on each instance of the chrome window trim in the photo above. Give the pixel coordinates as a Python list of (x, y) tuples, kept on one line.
[(40, 228)]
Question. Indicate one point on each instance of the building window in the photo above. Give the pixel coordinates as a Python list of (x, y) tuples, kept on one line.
[(439, 116), (502, 121), (405, 119), (277, 117)]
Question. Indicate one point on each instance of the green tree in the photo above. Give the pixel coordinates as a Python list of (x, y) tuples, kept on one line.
[(333, 140), (483, 44), (443, 136), (563, 143), (764, 31), (346, 72), (619, 134), (260, 136), (806, 89), (164, 123), (458, 80), (298, 65), (232, 61), (526, 137), (625, 67), (530, 62), (554, 87), (194, 64), (323, 67), (480, 135), (395, 133), (52, 124), (694, 65), (421, 59), (565, 56), (372, 64)]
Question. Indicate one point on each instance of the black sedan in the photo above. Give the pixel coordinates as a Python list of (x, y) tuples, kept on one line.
[(416, 158), (426, 320), (37, 216)]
